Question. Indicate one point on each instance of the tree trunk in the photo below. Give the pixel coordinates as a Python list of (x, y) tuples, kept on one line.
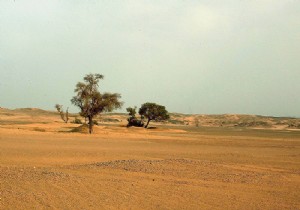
[(147, 123), (91, 124)]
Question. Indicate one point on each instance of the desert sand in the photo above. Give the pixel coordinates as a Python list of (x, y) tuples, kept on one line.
[(48, 164)]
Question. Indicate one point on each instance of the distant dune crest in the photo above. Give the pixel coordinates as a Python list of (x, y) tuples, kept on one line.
[(36, 115)]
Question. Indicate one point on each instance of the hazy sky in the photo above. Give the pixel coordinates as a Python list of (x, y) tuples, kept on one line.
[(201, 56)]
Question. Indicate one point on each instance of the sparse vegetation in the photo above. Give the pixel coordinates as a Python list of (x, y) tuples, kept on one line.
[(39, 129), (132, 120), (64, 116), (254, 124), (91, 102), (176, 122), (131, 111)]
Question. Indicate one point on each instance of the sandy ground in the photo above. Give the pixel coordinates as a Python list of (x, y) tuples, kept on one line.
[(44, 166)]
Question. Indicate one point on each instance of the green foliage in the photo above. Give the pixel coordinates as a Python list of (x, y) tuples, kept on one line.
[(58, 107), (91, 102), (153, 111), (131, 111), (133, 121)]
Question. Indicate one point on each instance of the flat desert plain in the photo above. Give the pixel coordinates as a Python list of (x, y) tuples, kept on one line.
[(48, 164)]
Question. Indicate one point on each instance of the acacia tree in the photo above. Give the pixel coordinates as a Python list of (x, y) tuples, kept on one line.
[(91, 102), (153, 111)]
